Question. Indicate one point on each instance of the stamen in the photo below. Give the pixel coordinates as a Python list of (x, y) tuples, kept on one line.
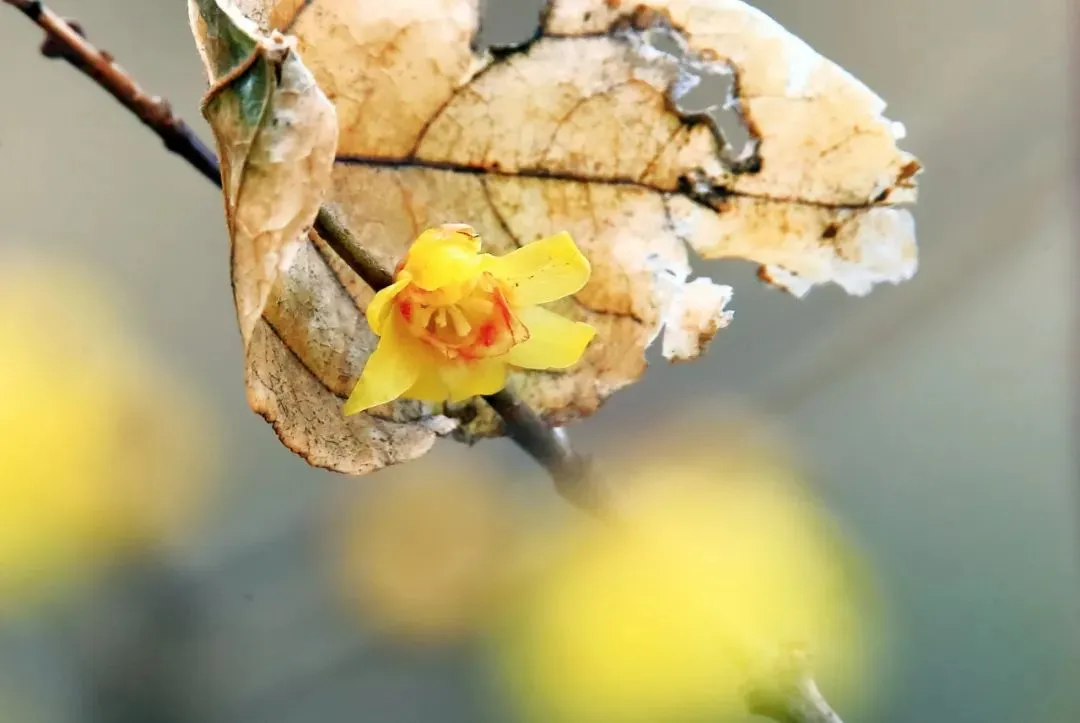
[(461, 324), (477, 306)]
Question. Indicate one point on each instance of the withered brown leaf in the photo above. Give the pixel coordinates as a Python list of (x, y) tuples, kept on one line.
[(580, 129), (303, 335)]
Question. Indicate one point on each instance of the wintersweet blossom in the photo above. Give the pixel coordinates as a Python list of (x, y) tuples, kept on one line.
[(80, 497), (455, 319), (720, 564)]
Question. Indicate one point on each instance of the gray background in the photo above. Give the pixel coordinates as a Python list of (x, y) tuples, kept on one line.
[(936, 415)]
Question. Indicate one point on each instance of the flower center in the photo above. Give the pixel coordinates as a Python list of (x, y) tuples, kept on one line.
[(469, 321)]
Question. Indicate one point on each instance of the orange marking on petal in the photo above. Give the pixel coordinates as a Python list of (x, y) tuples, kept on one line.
[(503, 307), (488, 333), (406, 310)]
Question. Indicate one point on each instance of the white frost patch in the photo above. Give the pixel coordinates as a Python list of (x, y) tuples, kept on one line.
[(881, 249), (801, 63), (694, 315), (439, 424), (691, 312), (794, 284)]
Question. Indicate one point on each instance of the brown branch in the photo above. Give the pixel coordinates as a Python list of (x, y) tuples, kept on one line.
[(549, 447), (65, 40), (331, 227), (571, 473), (788, 695)]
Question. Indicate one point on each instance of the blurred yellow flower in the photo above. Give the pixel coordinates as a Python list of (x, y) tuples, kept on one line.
[(671, 614), (428, 558), (455, 319), (90, 465)]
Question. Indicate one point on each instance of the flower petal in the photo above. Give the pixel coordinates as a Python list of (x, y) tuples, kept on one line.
[(542, 271), (382, 303), (473, 378), (554, 342), (391, 369), (429, 386), (444, 256)]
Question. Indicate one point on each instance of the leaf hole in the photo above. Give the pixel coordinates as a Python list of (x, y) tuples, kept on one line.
[(507, 28), (694, 94)]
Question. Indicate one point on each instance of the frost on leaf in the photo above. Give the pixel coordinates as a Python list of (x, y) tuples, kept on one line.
[(694, 316), (585, 128)]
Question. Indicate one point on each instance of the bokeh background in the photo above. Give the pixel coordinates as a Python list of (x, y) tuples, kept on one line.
[(934, 419)]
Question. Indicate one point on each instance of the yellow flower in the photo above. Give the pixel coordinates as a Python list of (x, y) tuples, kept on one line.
[(455, 319), (430, 558), (91, 469), (721, 564)]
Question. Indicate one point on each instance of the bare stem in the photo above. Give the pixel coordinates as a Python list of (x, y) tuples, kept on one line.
[(571, 473), (331, 227), (64, 39), (788, 695)]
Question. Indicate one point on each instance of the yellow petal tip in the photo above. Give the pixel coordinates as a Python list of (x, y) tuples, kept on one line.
[(357, 403), (554, 342), (544, 270)]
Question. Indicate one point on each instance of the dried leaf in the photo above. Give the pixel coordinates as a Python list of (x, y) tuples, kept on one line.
[(580, 129), (276, 134), (308, 419)]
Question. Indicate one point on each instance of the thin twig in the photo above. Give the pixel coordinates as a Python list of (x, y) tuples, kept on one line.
[(332, 228), (571, 473), (62, 40), (789, 696), (549, 447)]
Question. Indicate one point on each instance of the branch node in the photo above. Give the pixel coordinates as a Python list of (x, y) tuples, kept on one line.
[(54, 48)]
